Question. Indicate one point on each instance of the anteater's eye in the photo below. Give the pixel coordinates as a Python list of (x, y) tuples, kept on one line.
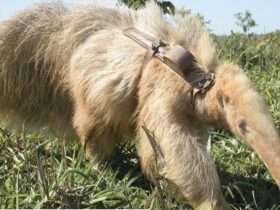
[(227, 99)]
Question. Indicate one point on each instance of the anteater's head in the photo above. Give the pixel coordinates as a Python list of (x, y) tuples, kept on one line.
[(233, 104)]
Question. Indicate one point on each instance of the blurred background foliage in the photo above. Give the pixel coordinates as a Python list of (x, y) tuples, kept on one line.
[(166, 6)]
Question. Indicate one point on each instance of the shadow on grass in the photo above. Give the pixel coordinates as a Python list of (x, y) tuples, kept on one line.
[(125, 160), (243, 191)]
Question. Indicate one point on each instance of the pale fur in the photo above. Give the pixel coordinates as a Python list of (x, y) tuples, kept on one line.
[(74, 69)]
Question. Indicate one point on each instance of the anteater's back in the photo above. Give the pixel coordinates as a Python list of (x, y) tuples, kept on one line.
[(35, 50), (30, 76), (38, 45)]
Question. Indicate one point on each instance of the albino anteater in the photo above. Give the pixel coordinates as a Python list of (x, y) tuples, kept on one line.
[(75, 70)]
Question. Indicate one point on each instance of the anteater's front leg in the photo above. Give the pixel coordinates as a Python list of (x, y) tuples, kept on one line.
[(97, 140)]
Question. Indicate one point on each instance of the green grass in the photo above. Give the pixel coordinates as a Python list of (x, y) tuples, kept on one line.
[(37, 171)]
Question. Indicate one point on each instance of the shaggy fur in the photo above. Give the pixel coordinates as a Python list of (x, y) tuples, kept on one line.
[(74, 70)]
